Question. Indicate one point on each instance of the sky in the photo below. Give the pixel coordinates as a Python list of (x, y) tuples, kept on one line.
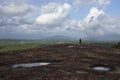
[(37, 19)]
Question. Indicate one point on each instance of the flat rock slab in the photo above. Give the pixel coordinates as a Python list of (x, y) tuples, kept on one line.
[(66, 63)]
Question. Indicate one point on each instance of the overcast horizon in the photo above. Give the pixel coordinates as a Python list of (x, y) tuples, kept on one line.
[(37, 19)]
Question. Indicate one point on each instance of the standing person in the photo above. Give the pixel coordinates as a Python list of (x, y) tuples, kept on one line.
[(80, 41)]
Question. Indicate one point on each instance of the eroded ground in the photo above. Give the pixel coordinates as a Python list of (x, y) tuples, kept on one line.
[(68, 62)]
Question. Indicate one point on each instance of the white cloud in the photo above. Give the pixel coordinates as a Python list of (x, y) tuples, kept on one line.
[(53, 14), (74, 25), (93, 18), (15, 13), (102, 2), (99, 23), (53, 18), (82, 2), (13, 8), (93, 14), (93, 2), (96, 23)]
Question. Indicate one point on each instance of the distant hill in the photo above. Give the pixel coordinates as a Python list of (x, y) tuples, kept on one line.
[(59, 38), (111, 37)]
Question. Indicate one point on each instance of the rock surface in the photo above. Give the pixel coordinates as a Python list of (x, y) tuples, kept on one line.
[(66, 63)]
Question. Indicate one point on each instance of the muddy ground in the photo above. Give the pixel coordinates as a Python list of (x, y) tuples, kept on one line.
[(67, 63)]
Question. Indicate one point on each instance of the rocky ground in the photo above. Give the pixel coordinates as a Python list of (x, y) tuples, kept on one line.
[(68, 62)]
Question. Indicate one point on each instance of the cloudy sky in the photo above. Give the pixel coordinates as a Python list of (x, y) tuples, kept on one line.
[(36, 19)]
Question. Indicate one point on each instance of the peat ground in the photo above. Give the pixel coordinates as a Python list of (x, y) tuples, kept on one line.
[(67, 62)]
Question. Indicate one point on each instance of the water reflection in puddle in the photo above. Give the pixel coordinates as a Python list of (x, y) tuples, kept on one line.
[(103, 68), (30, 64)]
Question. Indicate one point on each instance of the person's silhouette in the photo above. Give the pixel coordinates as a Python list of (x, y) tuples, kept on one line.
[(80, 41)]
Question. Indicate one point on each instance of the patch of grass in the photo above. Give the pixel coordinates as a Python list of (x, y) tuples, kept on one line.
[(117, 45), (101, 43), (23, 45), (10, 47), (104, 44)]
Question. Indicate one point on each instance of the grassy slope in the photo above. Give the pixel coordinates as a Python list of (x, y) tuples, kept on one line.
[(17, 46), (22, 45), (7, 45)]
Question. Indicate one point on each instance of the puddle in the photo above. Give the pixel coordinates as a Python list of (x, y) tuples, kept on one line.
[(104, 68), (30, 64), (71, 46)]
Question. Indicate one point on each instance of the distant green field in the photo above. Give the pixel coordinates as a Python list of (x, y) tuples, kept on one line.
[(17, 46), (104, 44), (8, 45), (11, 45)]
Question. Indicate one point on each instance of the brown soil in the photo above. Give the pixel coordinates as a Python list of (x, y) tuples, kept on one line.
[(71, 63)]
